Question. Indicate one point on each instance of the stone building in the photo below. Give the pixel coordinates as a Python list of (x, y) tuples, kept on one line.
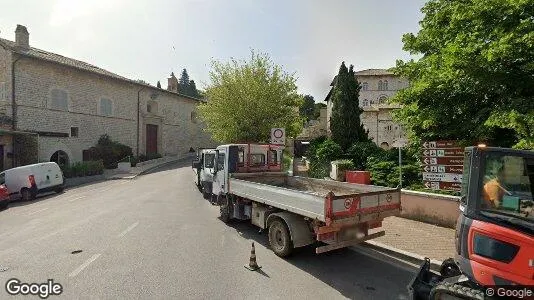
[(55, 108), (377, 86)]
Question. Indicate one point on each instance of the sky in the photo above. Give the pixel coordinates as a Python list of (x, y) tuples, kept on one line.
[(150, 39)]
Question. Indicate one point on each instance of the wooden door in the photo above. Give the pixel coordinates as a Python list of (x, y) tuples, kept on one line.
[(151, 139)]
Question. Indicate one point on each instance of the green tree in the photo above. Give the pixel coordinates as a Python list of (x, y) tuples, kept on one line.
[(158, 85), (317, 110), (345, 122), (193, 89), (248, 98), (307, 109), (475, 77)]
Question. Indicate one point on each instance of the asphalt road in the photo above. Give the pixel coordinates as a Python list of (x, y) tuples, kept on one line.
[(156, 237)]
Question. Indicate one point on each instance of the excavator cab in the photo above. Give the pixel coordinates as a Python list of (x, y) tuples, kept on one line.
[(494, 232)]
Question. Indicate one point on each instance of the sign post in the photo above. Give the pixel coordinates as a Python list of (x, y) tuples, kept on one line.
[(442, 165), (400, 143)]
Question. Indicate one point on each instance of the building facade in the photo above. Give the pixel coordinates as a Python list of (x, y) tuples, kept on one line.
[(377, 86), (60, 107)]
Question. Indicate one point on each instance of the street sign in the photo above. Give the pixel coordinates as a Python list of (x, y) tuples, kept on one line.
[(451, 160), (453, 186), (400, 143), (443, 152), (278, 136), (443, 169), (440, 144), (443, 177)]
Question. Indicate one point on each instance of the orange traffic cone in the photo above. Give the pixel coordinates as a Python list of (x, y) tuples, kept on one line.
[(253, 265)]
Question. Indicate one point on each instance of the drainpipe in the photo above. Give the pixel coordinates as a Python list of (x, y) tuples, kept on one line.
[(138, 116), (13, 94), (13, 109)]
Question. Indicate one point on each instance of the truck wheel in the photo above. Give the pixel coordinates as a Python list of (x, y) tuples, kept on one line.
[(26, 194), (280, 239), (226, 209)]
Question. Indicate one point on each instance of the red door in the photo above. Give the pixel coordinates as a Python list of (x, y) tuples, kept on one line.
[(151, 139)]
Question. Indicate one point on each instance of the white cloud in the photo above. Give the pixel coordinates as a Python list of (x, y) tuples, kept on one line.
[(65, 11)]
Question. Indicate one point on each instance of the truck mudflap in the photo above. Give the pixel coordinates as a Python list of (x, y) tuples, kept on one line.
[(421, 285)]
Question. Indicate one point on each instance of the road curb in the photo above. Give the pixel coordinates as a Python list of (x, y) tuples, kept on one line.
[(401, 254)]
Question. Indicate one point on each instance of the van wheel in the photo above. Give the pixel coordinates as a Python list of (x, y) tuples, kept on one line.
[(3, 204), (279, 238), (26, 194), (59, 190)]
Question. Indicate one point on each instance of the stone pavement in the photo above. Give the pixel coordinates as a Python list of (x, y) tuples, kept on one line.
[(419, 238)]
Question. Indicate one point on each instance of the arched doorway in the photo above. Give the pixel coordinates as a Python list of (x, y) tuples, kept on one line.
[(60, 157), (384, 146)]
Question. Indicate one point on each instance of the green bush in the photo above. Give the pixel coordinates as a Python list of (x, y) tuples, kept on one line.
[(344, 165), (111, 152), (386, 173), (360, 151), (81, 169), (320, 153)]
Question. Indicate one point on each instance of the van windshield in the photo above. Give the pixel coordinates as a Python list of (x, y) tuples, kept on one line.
[(208, 160)]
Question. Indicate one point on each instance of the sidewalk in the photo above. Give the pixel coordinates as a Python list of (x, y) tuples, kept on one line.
[(419, 238), (144, 167)]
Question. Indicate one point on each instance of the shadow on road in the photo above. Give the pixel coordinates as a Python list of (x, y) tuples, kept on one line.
[(172, 166), (349, 272)]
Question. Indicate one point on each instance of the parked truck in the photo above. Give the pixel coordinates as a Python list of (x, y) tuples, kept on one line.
[(249, 184), (204, 170)]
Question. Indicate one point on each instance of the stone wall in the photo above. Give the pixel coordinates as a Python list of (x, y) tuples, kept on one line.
[(35, 80), (431, 208)]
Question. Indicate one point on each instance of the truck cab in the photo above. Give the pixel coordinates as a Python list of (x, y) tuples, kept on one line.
[(203, 167)]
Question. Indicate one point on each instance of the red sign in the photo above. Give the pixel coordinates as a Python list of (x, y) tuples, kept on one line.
[(443, 152), (443, 169), (454, 161), (440, 144), (452, 186)]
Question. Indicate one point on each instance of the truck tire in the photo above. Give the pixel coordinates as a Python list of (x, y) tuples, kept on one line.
[(279, 238), (226, 209), (26, 194), (446, 290)]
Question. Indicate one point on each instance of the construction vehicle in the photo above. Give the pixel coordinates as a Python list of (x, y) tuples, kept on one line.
[(203, 168), (494, 232), (249, 184)]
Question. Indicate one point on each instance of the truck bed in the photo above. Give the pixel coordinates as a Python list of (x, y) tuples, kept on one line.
[(308, 196)]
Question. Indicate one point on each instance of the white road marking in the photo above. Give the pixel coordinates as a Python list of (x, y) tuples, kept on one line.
[(77, 198), (84, 265), (128, 229), (37, 211)]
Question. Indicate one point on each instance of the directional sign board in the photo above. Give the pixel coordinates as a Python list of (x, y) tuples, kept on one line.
[(443, 169), (443, 152), (442, 165), (436, 185), (445, 177)]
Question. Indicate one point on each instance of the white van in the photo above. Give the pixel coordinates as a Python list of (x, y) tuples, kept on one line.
[(26, 182), (203, 167)]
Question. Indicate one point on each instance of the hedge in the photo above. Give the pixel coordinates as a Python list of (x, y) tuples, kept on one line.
[(82, 169)]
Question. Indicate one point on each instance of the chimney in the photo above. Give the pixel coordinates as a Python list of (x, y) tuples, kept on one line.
[(22, 37), (172, 83)]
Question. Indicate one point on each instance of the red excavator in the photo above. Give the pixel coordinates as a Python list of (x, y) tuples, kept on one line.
[(494, 232)]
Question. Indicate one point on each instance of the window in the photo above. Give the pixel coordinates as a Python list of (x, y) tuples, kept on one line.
[(380, 85), (241, 161), (220, 161), (273, 159), (74, 131), (208, 160), (3, 91), (365, 86), (382, 99), (388, 128), (257, 159), (507, 186), (365, 102), (106, 107), (193, 117), (385, 85), (148, 108), (152, 107), (59, 100)]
